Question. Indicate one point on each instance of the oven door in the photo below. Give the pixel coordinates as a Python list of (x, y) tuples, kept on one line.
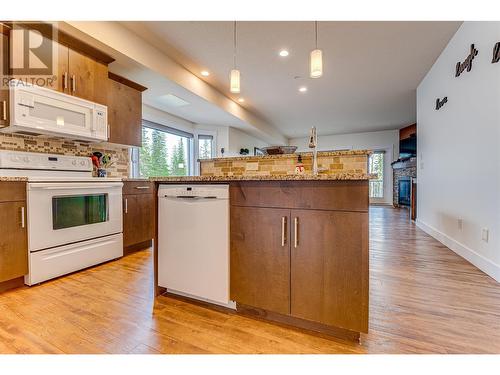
[(68, 212)]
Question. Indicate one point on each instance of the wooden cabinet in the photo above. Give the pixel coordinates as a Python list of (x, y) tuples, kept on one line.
[(82, 70), (13, 233), (87, 77), (329, 268), (260, 258), (4, 92), (80, 75), (124, 101), (138, 212), (307, 263)]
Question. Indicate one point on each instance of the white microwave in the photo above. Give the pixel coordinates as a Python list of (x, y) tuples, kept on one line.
[(36, 110)]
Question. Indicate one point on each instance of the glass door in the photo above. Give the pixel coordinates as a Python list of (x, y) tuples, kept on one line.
[(376, 185)]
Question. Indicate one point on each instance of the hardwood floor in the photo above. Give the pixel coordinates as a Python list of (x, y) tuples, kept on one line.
[(423, 299)]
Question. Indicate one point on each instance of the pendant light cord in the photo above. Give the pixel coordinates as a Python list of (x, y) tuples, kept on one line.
[(316, 33), (234, 45)]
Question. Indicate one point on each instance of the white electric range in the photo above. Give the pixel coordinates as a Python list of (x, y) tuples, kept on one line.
[(74, 220)]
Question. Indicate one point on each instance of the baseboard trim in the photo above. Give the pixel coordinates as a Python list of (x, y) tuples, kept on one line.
[(487, 266)]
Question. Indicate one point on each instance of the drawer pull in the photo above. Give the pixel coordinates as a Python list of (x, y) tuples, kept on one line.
[(142, 187)]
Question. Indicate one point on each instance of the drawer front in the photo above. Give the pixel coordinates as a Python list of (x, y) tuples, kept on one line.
[(138, 187), (12, 191), (321, 195)]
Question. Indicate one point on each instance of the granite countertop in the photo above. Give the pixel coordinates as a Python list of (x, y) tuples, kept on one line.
[(306, 177), (137, 179), (9, 178), (279, 156)]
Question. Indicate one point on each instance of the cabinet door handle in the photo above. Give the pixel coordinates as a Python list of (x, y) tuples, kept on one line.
[(65, 80), (23, 224), (126, 205), (283, 231), (73, 83), (296, 232), (4, 110)]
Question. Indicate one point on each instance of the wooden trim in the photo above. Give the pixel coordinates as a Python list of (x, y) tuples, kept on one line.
[(69, 41), (126, 82), (157, 289), (302, 324), (4, 29), (11, 284), (137, 247), (408, 132)]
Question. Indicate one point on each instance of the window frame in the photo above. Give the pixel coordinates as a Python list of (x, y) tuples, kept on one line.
[(384, 179), (199, 134)]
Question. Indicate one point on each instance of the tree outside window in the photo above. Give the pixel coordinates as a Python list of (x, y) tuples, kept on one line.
[(163, 154)]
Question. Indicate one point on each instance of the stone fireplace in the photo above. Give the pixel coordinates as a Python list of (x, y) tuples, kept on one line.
[(402, 172)]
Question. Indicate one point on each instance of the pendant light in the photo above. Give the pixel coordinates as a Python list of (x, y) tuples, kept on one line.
[(234, 84), (316, 60)]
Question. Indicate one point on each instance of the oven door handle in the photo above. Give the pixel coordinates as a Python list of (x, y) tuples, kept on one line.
[(73, 187)]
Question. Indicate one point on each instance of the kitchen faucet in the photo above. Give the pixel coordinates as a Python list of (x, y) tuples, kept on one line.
[(313, 143)]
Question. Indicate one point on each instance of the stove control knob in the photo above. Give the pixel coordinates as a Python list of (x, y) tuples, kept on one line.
[(73, 162), (83, 162), (26, 159)]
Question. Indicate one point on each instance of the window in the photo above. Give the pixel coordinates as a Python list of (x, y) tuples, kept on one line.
[(205, 146), (376, 166), (165, 152)]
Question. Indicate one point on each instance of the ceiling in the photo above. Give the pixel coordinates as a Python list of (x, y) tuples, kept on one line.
[(371, 69)]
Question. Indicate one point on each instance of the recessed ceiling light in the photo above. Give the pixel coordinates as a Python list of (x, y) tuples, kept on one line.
[(303, 89), (241, 100), (284, 53), (204, 73)]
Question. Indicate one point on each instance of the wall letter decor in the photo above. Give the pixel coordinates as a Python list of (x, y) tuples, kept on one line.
[(440, 103), (467, 64), (496, 53)]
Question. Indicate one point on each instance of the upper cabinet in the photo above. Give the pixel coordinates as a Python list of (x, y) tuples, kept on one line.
[(81, 69), (124, 100), (4, 94), (87, 77)]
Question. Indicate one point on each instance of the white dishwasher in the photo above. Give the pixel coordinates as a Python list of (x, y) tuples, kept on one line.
[(193, 241)]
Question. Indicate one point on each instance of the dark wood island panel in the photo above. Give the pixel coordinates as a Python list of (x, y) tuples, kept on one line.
[(299, 253)]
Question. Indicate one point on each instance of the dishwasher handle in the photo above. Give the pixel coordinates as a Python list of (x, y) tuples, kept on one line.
[(190, 197)]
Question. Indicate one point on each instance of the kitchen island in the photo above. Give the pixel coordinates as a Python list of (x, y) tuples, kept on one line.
[(298, 243)]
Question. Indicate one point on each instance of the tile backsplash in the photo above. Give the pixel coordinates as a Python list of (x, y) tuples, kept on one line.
[(119, 154), (329, 163)]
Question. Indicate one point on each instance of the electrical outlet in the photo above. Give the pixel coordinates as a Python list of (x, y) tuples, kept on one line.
[(460, 224), (252, 166), (485, 234)]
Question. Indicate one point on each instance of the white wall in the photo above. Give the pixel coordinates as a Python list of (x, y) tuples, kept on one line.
[(459, 148), (387, 140), (167, 119), (239, 140)]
